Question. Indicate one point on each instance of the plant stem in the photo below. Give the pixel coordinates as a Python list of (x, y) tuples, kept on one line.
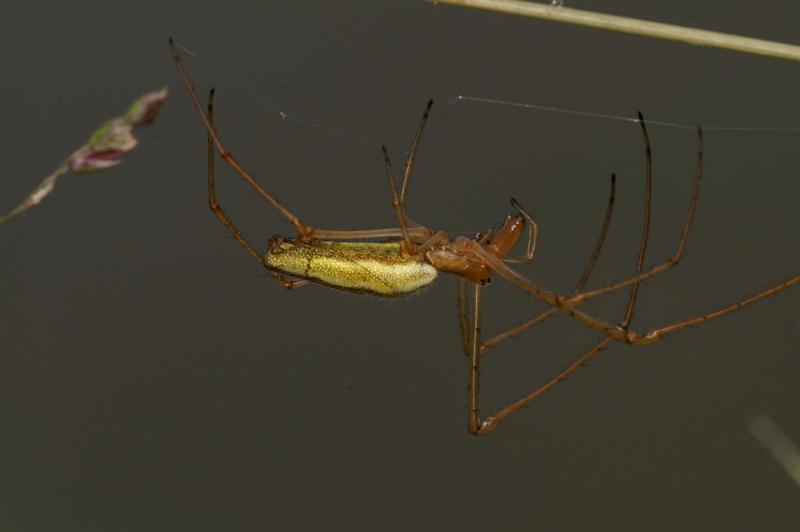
[(635, 26)]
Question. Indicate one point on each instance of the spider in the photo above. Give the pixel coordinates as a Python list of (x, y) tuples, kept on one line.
[(395, 262)]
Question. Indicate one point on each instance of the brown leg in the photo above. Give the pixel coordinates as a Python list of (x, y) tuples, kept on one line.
[(474, 423), (302, 229), (648, 193), (575, 300), (601, 238), (397, 204), (436, 238), (212, 195), (676, 258), (463, 321), (598, 246), (398, 200), (415, 233), (505, 412), (653, 335), (620, 331), (289, 283), (412, 152), (492, 422), (479, 427)]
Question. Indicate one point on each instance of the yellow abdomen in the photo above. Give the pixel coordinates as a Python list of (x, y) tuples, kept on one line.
[(380, 269)]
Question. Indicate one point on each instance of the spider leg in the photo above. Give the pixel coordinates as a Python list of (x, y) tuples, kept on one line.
[(572, 301), (648, 337), (397, 204), (505, 335), (220, 214), (398, 200), (412, 152), (415, 233), (487, 345), (676, 257), (436, 238), (656, 333), (212, 195), (619, 332), (478, 427), (616, 333), (648, 194), (289, 283), (601, 238), (492, 422), (567, 305), (227, 156), (474, 423), (463, 321), (612, 332)]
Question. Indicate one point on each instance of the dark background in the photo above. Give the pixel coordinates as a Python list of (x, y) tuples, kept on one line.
[(153, 378)]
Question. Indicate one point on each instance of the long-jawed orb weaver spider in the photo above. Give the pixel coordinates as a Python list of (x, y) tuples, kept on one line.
[(348, 260)]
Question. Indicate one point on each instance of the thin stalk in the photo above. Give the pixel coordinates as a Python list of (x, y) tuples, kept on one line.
[(635, 26)]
